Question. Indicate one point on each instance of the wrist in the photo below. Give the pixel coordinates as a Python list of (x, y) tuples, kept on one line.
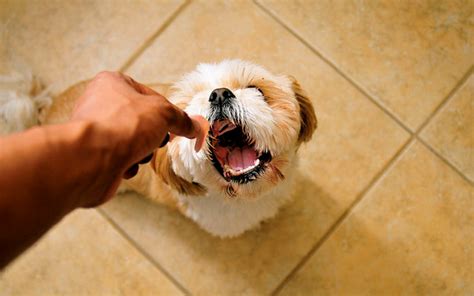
[(86, 161)]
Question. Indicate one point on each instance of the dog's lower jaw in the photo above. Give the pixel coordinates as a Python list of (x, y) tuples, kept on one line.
[(227, 217)]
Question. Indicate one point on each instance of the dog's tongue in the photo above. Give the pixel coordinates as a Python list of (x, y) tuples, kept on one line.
[(241, 158)]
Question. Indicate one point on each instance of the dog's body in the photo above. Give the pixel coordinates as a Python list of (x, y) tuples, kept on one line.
[(244, 173)]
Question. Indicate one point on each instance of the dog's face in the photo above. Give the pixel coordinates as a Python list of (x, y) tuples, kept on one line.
[(257, 122)]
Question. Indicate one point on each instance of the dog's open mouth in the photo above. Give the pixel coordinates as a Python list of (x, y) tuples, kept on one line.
[(233, 153)]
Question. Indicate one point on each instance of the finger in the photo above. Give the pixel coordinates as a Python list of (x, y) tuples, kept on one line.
[(131, 172), (146, 159), (172, 136), (178, 122), (201, 127), (165, 140), (203, 131), (141, 88)]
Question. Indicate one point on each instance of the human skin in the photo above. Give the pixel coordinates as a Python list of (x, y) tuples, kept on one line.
[(47, 172)]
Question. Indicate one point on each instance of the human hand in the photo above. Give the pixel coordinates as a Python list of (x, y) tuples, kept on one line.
[(133, 120), (48, 171)]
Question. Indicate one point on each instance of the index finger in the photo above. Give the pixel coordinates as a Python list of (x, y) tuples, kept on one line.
[(141, 88), (180, 124), (183, 125)]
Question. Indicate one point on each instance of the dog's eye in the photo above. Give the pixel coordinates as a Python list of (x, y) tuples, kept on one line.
[(253, 86)]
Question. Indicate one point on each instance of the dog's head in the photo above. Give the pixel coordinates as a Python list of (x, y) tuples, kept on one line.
[(257, 122)]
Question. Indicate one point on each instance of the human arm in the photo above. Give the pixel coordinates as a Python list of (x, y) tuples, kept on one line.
[(46, 172)]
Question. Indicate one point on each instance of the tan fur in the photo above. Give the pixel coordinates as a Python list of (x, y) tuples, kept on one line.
[(278, 120), (275, 97), (233, 84), (275, 120), (162, 166), (309, 122), (147, 184), (63, 104)]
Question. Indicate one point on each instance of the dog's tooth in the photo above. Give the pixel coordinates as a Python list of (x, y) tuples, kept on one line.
[(227, 175), (223, 127), (227, 127), (228, 171)]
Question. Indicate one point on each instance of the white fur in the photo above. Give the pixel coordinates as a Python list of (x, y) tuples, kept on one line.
[(255, 201), (19, 108), (259, 121), (216, 212), (225, 217)]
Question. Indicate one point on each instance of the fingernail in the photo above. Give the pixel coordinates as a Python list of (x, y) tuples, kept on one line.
[(131, 172), (146, 159), (165, 140)]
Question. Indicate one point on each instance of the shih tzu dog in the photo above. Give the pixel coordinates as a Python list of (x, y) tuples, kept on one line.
[(243, 175)]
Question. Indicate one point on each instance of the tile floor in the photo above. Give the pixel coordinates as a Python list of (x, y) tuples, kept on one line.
[(385, 203)]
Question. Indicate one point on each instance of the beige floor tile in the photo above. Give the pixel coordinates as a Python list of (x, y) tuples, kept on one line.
[(84, 255), (63, 42), (355, 139), (252, 264), (411, 235), (409, 55), (451, 132)]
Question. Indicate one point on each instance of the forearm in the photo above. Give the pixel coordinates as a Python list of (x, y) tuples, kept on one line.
[(44, 174), (47, 172)]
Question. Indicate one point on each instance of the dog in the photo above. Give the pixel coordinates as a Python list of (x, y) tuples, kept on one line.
[(245, 171)]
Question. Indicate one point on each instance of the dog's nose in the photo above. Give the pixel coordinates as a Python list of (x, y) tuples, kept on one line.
[(221, 96)]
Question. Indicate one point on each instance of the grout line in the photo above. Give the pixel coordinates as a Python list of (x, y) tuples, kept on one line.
[(345, 214), (142, 251), (380, 105), (437, 110), (414, 136), (152, 38), (334, 67), (443, 159), (448, 97)]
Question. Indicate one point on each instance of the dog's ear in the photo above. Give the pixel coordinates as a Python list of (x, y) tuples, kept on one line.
[(309, 122), (162, 165)]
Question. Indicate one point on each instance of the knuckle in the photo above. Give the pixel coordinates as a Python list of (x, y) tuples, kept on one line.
[(105, 75), (167, 110)]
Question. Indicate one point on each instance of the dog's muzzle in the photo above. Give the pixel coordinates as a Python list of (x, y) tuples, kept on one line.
[(220, 97), (222, 103), (232, 150)]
